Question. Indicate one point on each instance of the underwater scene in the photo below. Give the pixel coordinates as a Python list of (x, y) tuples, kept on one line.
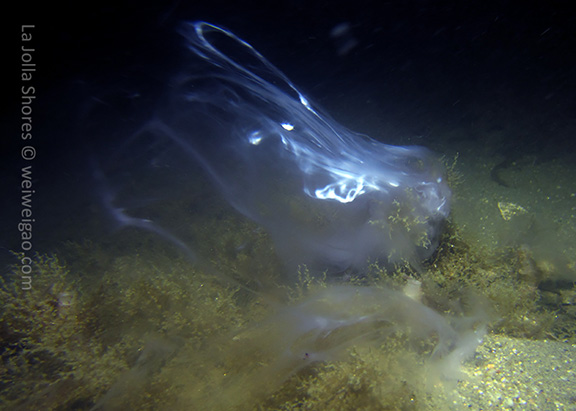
[(289, 206)]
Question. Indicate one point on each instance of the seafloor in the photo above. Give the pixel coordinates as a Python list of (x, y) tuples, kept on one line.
[(127, 321)]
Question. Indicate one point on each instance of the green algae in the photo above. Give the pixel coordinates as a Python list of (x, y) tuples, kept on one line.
[(144, 326)]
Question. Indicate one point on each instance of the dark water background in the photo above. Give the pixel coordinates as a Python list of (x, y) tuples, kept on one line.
[(418, 68)]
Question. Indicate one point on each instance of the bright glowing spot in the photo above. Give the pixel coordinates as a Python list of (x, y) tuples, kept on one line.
[(287, 126), (255, 138), (344, 191)]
